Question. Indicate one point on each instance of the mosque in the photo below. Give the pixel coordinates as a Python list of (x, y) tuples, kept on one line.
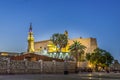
[(47, 48)]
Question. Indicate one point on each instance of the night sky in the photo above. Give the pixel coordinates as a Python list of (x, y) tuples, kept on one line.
[(99, 19)]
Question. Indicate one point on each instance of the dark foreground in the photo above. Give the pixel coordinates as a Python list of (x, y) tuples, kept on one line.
[(80, 76)]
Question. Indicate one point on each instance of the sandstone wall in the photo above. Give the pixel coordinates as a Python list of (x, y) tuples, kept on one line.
[(90, 43), (42, 44)]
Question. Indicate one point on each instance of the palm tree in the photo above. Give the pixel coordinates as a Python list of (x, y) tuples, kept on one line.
[(59, 40), (77, 49)]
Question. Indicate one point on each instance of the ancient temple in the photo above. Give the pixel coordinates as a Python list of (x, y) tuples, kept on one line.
[(47, 48), (90, 43)]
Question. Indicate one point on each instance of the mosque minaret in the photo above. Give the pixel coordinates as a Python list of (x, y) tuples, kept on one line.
[(30, 40)]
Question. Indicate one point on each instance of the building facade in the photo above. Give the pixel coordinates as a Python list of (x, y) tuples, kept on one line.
[(51, 49)]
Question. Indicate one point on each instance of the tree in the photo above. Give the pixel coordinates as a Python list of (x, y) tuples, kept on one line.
[(100, 58), (77, 49), (59, 40), (109, 58)]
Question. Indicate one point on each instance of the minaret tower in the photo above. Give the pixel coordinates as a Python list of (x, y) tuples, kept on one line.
[(30, 40)]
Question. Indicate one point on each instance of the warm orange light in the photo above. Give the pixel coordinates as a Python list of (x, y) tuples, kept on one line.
[(90, 65), (4, 54)]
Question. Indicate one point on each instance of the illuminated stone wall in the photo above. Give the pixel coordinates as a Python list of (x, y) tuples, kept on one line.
[(90, 43), (41, 45)]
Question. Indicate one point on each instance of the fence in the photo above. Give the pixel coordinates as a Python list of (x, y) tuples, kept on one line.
[(24, 66)]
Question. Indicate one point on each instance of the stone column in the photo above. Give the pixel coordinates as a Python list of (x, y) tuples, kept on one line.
[(54, 66), (41, 65), (26, 64), (65, 67), (8, 65)]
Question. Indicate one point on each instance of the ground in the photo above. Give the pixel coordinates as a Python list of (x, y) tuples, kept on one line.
[(80, 76)]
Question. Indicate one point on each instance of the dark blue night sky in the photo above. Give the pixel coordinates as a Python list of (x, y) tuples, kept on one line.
[(81, 18)]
